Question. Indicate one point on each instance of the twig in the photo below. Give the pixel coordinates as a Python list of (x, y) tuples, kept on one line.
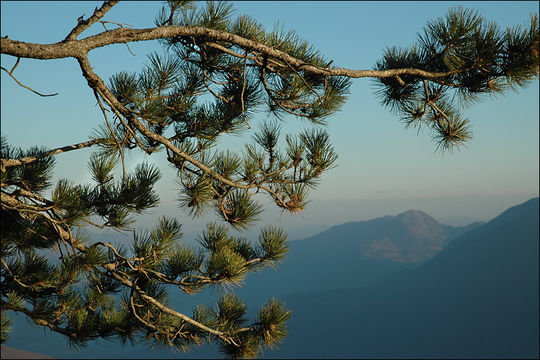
[(14, 66), (120, 25), (433, 106), (306, 83), (30, 159), (243, 89), (120, 148), (128, 128), (209, 89), (85, 24), (131, 52), (163, 308), (115, 23), (24, 86)]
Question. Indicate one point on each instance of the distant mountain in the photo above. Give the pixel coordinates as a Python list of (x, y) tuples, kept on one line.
[(478, 298), (346, 256), (412, 236), (354, 254)]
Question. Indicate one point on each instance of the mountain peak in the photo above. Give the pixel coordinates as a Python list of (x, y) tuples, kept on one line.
[(414, 216), (410, 237), (412, 212)]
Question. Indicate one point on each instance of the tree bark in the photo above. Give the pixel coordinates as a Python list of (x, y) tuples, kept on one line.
[(79, 48)]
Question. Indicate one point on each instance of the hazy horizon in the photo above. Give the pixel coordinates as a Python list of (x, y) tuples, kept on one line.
[(324, 214)]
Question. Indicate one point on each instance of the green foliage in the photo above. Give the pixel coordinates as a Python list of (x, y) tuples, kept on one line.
[(271, 322), (273, 243), (199, 92), (183, 261), (197, 196), (269, 328), (34, 176), (239, 209), (321, 155), (478, 57), (6, 325)]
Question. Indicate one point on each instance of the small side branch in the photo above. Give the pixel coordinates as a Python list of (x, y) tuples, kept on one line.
[(10, 73), (115, 23), (243, 90), (14, 66), (120, 147), (5, 163), (121, 25), (85, 24)]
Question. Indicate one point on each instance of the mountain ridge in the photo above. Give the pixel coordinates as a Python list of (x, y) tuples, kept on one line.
[(477, 298), (411, 236)]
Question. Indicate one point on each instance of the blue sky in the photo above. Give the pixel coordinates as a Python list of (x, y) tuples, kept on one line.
[(383, 168)]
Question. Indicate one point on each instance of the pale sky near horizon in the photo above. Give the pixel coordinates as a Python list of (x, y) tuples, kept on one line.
[(382, 167)]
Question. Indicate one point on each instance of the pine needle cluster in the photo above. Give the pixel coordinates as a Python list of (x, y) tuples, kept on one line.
[(473, 57)]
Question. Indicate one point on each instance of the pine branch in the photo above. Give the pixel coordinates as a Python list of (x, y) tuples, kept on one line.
[(79, 48), (6, 163)]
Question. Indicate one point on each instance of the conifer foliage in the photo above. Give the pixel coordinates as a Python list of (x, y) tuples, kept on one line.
[(215, 73)]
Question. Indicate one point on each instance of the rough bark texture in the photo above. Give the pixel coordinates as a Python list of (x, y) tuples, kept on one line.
[(79, 48)]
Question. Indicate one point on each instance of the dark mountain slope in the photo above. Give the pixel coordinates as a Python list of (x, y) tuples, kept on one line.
[(453, 232), (477, 298)]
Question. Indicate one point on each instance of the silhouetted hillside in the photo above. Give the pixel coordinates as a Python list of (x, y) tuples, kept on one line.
[(478, 298), (453, 232)]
